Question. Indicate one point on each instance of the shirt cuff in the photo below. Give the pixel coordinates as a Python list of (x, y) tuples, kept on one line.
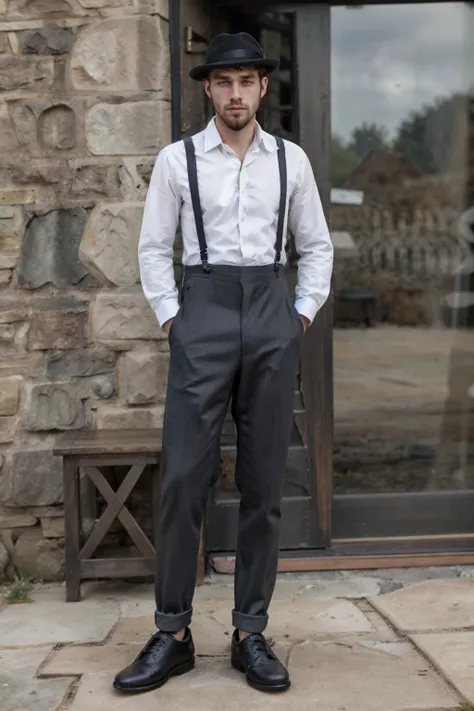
[(166, 310), (306, 307)]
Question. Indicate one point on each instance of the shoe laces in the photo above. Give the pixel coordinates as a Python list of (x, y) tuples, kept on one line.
[(154, 645), (260, 647)]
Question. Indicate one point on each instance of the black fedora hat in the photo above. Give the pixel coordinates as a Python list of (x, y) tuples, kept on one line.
[(236, 50)]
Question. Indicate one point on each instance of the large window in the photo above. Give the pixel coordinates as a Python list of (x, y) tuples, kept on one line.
[(402, 216)]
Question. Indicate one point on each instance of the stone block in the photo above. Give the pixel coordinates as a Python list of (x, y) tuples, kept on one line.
[(99, 4), (25, 364), (52, 527), (8, 137), (124, 315), (154, 7), (122, 418), (11, 518), (50, 249), (48, 40), (11, 229), (135, 177), (4, 561), (25, 9), (109, 246), (5, 277), (17, 196), (121, 54), (7, 334), (9, 395), (40, 558), (24, 124), (92, 181), (79, 363), (12, 310), (40, 172), (58, 324), (33, 479), (143, 377), (63, 405), (45, 511), (112, 129), (25, 73), (57, 128), (8, 427), (54, 407)]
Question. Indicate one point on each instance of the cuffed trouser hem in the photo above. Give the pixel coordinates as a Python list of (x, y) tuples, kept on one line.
[(173, 623), (249, 623)]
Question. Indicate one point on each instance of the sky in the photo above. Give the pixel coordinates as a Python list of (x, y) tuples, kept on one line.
[(388, 60)]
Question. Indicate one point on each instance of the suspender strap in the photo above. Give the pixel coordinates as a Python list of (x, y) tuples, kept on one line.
[(282, 208), (196, 201)]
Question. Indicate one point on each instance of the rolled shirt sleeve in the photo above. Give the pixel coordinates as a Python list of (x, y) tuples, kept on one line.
[(313, 243), (156, 242)]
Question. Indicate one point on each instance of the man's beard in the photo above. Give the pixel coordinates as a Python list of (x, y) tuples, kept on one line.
[(237, 122)]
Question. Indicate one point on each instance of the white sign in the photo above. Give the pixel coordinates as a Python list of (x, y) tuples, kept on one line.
[(339, 196)]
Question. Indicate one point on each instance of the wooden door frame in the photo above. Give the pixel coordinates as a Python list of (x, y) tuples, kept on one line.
[(312, 29)]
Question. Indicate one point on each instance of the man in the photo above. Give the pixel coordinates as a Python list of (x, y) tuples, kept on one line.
[(234, 338)]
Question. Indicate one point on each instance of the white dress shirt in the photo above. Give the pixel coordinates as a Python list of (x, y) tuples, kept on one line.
[(240, 204)]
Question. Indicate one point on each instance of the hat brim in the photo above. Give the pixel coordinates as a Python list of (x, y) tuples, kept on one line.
[(201, 72)]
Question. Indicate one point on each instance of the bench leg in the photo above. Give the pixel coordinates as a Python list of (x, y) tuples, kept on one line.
[(72, 517)]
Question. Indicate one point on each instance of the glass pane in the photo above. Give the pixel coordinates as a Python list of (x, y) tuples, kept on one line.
[(402, 218)]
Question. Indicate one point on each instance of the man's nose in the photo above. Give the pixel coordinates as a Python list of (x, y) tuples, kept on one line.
[(235, 91)]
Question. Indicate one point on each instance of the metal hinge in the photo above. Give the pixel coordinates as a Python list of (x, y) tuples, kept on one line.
[(191, 37)]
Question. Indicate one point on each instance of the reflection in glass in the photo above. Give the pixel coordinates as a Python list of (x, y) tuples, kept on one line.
[(402, 218)]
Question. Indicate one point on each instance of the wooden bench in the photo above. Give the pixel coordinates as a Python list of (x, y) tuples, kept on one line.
[(88, 453)]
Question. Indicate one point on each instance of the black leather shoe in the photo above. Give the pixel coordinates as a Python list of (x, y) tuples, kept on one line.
[(254, 657), (162, 657)]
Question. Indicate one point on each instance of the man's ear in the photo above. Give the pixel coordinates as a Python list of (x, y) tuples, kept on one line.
[(264, 86), (207, 85)]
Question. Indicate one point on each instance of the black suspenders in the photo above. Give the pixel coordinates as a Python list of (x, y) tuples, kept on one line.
[(196, 202)]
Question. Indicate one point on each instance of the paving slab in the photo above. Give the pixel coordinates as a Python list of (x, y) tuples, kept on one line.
[(75, 660), (47, 621), (210, 637), (354, 588), (453, 654), (333, 676), (434, 605), (300, 619), (367, 675), (19, 690)]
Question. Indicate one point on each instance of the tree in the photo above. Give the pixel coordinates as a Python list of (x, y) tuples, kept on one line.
[(368, 137), (343, 161), (434, 137)]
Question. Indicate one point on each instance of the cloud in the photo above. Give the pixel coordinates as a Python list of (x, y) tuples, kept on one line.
[(388, 60)]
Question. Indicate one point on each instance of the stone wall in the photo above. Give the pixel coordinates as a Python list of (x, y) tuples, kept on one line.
[(84, 109)]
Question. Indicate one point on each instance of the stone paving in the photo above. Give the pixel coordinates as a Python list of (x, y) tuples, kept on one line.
[(349, 644)]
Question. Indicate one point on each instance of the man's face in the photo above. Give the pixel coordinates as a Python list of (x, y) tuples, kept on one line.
[(236, 95)]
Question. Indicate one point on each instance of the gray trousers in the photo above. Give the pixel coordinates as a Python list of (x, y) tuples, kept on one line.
[(236, 336)]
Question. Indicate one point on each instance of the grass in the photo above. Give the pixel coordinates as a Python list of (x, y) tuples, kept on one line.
[(466, 706), (19, 592)]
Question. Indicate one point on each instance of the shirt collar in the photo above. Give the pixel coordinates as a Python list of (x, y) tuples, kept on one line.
[(212, 138)]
